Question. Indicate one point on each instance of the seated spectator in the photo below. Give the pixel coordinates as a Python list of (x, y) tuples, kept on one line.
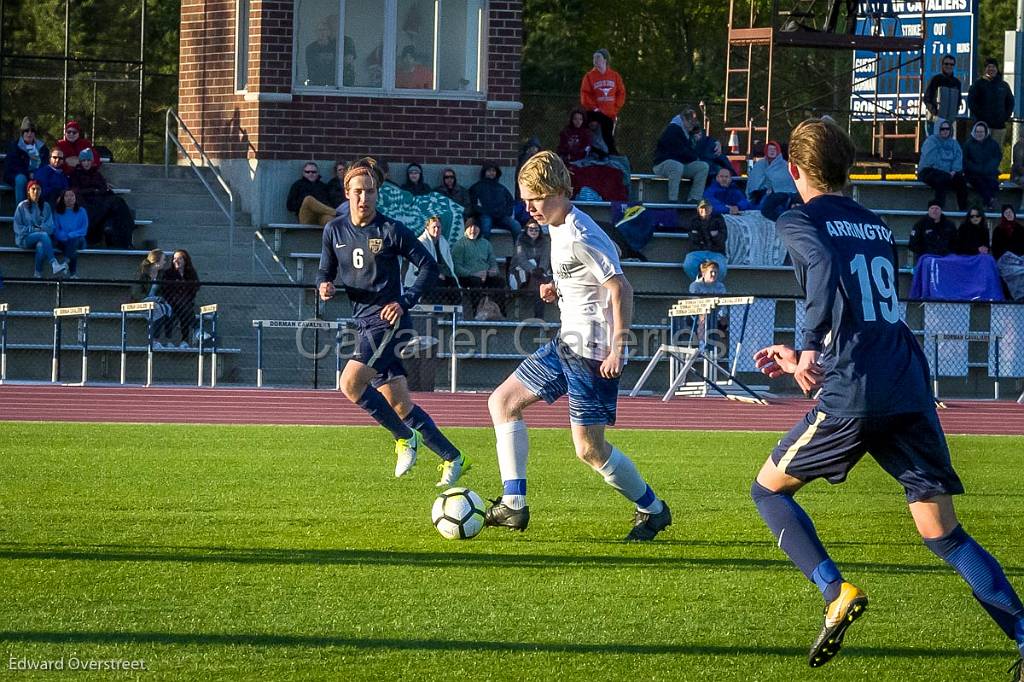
[(769, 174), (531, 147), (451, 188), (492, 202), (411, 72), (110, 219), (1008, 250), (675, 156), (708, 237), (33, 228), (726, 197), (709, 150), (941, 166), (531, 265), (933, 235), (70, 226), (708, 284), (438, 247), (414, 180), (336, 186), (147, 289), (308, 198), (73, 144), (475, 265), (574, 139), (982, 155), (24, 157), (52, 178), (179, 286), (972, 236), (1008, 235)]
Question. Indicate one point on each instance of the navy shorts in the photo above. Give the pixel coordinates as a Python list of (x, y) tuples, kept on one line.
[(554, 370), (909, 447), (373, 332)]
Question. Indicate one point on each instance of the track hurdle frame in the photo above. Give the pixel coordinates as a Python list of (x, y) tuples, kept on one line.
[(146, 307), (337, 327), (3, 342), (211, 312), (58, 316)]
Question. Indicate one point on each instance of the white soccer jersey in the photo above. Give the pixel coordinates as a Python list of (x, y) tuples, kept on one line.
[(583, 258)]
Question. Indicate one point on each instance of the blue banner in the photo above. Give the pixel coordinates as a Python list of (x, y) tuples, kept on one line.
[(950, 28)]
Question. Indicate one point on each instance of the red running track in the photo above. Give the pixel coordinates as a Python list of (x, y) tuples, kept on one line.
[(45, 402)]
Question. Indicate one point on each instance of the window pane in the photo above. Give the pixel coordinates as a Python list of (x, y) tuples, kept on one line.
[(242, 45), (364, 43), (414, 45), (459, 46), (316, 31)]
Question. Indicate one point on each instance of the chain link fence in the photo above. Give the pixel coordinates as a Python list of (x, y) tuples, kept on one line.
[(258, 335)]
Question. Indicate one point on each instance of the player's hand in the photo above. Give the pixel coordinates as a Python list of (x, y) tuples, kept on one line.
[(548, 294), (611, 367), (809, 373), (326, 291), (775, 361), (391, 312)]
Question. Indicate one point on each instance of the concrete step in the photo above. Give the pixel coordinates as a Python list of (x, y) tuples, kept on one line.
[(127, 171)]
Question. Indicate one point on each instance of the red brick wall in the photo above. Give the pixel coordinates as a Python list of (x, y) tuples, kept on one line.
[(427, 130)]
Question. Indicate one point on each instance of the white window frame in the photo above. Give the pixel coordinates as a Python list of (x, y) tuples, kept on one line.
[(241, 55), (388, 90)]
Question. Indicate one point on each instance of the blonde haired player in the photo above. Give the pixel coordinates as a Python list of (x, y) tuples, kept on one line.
[(584, 361)]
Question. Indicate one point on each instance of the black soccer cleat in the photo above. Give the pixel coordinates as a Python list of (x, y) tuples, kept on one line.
[(646, 526), (503, 516), (839, 615)]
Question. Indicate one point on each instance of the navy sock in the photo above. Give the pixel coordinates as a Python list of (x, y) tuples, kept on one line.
[(797, 537), (432, 436), (379, 408), (988, 582)]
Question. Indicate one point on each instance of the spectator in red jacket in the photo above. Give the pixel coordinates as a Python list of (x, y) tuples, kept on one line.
[(73, 144), (602, 94)]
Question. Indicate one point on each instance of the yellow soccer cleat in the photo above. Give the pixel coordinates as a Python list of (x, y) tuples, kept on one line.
[(839, 615)]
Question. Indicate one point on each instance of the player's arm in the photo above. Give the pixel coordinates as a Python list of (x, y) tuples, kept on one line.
[(328, 266), (606, 269), (412, 250), (815, 267)]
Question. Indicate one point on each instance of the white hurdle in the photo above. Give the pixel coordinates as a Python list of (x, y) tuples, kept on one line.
[(146, 307), (83, 337)]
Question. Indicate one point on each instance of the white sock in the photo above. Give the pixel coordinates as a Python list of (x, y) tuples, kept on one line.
[(620, 473), (513, 448)]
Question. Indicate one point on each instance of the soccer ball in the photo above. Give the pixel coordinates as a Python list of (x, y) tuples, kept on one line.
[(458, 514)]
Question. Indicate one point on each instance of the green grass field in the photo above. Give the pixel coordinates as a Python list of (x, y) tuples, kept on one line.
[(292, 552)]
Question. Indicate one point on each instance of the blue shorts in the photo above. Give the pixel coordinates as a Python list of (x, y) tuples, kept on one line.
[(373, 332), (554, 370), (909, 447)]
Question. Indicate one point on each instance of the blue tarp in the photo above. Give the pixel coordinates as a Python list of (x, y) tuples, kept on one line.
[(956, 278)]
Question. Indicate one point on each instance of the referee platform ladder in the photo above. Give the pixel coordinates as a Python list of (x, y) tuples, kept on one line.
[(696, 369)]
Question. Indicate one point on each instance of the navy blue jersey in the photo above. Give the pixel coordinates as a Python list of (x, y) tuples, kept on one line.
[(845, 261), (367, 261)]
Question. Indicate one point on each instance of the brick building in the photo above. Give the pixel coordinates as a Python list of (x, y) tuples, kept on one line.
[(265, 85)]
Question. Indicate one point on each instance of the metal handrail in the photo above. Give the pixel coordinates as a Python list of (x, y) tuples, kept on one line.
[(229, 210)]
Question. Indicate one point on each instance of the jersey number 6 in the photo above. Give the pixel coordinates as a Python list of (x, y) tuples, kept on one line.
[(883, 279), (357, 258)]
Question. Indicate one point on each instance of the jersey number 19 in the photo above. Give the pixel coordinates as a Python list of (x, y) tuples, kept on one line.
[(878, 278)]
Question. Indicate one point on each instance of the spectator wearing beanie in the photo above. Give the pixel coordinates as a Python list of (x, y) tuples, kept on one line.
[(991, 101), (25, 156), (933, 235), (73, 144)]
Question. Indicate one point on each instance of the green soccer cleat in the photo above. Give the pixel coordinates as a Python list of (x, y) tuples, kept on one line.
[(405, 451), (452, 471), (839, 615), (646, 526)]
